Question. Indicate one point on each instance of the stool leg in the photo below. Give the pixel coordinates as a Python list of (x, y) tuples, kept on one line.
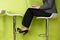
[(14, 27), (46, 29)]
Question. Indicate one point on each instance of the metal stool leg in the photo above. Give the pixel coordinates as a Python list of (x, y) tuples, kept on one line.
[(45, 35), (46, 29), (14, 27)]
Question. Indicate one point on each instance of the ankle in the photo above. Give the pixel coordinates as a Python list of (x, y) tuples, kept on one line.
[(24, 28)]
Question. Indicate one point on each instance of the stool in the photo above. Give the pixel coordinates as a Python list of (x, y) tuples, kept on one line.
[(47, 18), (14, 20)]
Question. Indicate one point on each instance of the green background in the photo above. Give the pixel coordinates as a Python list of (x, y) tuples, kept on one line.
[(37, 26)]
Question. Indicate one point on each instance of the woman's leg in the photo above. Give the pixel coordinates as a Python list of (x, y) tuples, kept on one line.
[(29, 16)]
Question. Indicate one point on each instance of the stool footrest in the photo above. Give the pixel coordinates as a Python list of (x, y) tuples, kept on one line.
[(43, 35)]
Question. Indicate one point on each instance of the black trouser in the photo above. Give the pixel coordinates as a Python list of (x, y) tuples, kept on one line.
[(33, 12)]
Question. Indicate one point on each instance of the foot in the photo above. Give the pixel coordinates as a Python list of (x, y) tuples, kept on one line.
[(24, 28)]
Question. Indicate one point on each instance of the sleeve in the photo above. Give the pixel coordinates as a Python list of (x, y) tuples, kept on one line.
[(47, 5)]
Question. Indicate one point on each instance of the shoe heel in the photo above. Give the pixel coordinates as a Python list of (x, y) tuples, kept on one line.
[(25, 32)]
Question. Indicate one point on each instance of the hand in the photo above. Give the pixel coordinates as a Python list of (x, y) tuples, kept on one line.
[(35, 6)]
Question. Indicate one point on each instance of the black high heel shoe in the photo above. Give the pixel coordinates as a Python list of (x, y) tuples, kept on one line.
[(20, 31)]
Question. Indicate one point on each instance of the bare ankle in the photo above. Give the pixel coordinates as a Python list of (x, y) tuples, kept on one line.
[(24, 28)]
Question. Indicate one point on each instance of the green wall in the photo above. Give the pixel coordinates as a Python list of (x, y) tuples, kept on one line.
[(37, 26)]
